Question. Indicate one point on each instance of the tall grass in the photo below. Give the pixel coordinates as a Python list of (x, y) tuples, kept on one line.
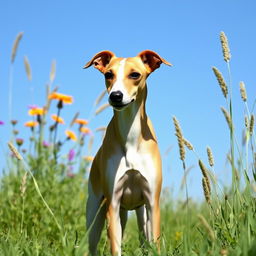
[(43, 199)]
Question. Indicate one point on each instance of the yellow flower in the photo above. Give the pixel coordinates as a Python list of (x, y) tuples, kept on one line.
[(88, 158), (81, 121), (36, 111), (71, 135), (85, 130), (61, 97), (178, 235), (57, 119), (31, 124)]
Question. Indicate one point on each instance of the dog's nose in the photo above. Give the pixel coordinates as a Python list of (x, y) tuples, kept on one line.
[(116, 97)]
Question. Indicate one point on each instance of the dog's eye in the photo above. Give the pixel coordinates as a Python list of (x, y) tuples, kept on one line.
[(109, 75), (134, 75)]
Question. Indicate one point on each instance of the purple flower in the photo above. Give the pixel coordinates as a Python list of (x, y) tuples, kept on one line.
[(71, 155), (32, 106), (46, 144), (1, 122)]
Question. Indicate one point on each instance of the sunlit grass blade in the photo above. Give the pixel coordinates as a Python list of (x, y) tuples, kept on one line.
[(101, 108)]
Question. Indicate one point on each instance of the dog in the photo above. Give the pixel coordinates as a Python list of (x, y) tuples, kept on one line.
[(126, 171)]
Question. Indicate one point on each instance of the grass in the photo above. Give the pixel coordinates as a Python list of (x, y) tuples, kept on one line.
[(43, 200)]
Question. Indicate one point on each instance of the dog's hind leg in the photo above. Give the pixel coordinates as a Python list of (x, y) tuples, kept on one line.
[(123, 218), (142, 223), (95, 219)]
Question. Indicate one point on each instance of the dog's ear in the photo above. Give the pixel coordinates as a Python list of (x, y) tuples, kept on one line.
[(100, 60), (152, 60)]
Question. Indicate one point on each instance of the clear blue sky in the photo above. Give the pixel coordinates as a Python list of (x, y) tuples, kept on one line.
[(186, 33)]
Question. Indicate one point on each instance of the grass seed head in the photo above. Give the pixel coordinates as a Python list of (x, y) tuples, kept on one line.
[(221, 81), (74, 119), (225, 47), (27, 68), (23, 184), (15, 151), (100, 97), (210, 156), (188, 144), (101, 108), (205, 176), (207, 226), (246, 122), (15, 46), (53, 71), (180, 138), (206, 190), (243, 91), (203, 168), (227, 117), (251, 128)]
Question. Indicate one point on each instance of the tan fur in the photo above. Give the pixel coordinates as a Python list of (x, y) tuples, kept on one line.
[(127, 169)]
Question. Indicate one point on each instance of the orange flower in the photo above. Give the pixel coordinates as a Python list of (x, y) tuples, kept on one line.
[(36, 111), (88, 158), (62, 97), (81, 121), (85, 130), (31, 124), (71, 135), (57, 119)]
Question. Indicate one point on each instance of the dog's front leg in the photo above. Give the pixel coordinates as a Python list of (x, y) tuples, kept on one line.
[(114, 228), (156, 224)]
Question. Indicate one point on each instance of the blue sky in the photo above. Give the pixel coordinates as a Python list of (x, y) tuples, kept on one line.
[(186, 33)]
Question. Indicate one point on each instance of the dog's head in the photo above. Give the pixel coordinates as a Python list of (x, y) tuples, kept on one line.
[(124, 76)]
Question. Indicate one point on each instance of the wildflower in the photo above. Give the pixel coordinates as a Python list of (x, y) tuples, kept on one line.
[(46, 144), (88, 158), (15, 132), (31, 124), (224, 252), (32, 106), (19, 142), (1, 123), (70, 173), (71, 135), (71, 155), (57, 119), (61, 97), (85, 130), (36, 111), (81, 121), (178, 235), (14, 122)]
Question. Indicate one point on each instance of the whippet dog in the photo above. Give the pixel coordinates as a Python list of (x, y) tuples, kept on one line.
[(126, 172)]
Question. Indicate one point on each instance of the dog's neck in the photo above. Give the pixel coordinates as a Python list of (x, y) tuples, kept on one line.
[(129, 123)]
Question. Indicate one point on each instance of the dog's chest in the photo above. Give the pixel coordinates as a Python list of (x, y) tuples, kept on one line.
[(132, 153)]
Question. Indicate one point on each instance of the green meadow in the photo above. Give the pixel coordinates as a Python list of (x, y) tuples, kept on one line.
[(43, 193)]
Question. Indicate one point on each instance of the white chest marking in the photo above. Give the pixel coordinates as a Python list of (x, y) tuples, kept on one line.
[(131, 158)]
